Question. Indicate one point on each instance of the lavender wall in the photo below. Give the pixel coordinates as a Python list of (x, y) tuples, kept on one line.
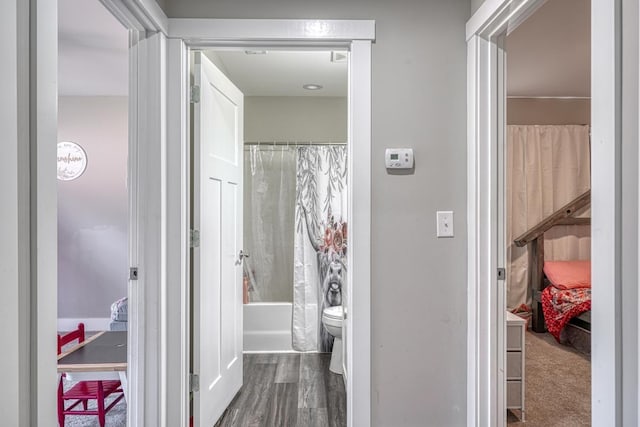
[(92, 209)]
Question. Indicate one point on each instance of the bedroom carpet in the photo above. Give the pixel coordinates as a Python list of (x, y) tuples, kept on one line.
[(558, 385)]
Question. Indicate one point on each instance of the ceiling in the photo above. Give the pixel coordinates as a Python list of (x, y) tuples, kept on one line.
[(283, 73), (93, 60), (548, 55), (93, 54)]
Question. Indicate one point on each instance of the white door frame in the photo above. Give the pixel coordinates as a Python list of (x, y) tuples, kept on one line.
[(29, 116), (614, 225), (15, 227), (356, 36), (147, 244), (38, 24), (147, 349)]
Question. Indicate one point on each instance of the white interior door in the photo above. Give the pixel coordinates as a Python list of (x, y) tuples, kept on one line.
[(217, 268)]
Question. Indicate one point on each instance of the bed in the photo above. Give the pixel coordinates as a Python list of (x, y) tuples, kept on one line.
[(567, 294), (561, 290)]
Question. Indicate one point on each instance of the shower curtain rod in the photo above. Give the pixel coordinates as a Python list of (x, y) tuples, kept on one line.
[(268, 143), (570, 98)]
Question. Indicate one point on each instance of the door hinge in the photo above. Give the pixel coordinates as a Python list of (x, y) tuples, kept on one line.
[(194, 96), (502, 274), (133, 273), (194, 382), (194, 238)]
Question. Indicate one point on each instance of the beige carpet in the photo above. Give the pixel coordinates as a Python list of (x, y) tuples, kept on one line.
[(558, 385)]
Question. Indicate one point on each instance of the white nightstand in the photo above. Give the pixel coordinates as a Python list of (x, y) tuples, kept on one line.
[(515, 363)]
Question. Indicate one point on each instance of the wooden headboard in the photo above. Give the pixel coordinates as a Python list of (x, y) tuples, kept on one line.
[(534, 239)]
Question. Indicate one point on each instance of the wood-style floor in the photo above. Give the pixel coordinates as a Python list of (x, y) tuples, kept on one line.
[(288, 390)]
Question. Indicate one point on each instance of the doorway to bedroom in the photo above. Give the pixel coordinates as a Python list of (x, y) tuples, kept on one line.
[(274, 170), (545, 189), (93, 214)]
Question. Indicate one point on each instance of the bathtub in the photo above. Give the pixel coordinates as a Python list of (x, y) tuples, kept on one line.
[(267, 327)]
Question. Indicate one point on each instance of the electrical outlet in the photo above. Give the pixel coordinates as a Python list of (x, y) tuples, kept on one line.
[(444, 223)]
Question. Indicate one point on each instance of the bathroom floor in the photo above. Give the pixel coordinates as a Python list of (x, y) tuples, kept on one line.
[(288, 390)]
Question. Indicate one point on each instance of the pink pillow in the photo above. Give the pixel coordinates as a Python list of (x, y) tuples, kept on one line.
[(568, 274)]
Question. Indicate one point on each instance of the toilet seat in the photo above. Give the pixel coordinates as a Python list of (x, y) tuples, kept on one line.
[(334, 312), (332, 318)]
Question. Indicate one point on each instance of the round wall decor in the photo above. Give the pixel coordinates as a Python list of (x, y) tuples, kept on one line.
[(72, 160)]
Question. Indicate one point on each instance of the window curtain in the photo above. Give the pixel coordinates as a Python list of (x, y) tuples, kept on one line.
[(547, 167), (320, 242)]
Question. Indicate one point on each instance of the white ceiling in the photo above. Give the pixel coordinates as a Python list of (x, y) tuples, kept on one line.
[(93, 54), (282, 73), (549, 54)]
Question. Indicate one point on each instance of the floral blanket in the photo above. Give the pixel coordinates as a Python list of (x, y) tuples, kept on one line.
[(561, 305)]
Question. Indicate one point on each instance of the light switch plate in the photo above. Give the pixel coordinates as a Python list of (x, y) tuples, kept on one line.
[(444, 223)]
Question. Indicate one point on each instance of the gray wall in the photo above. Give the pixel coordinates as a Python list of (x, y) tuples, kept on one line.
[(475, 4), (629, 247), (92, 209), (419, 296), (295, 118)]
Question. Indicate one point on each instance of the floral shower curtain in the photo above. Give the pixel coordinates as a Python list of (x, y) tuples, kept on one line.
[(320, 242)]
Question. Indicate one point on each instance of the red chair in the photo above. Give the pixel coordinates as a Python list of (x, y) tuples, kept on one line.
[(65, 339), (83, 391)]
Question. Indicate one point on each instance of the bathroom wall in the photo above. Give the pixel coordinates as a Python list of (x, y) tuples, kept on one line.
[(295, 119), (548, 111), (418, 282), (93, 209)]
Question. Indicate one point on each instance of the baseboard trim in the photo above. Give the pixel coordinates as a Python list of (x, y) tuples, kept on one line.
[(90, 324)]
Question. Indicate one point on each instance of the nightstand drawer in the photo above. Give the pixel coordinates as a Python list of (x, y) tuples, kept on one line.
[(514, 337), (514, 365), (514, 394), (515, 362)]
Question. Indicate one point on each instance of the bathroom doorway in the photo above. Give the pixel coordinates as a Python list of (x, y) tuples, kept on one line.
[(293, 231)]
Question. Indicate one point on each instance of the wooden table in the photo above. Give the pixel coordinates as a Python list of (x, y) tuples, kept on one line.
[(101, 357)]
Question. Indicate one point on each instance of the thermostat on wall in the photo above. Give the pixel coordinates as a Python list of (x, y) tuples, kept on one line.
[(398, 158)]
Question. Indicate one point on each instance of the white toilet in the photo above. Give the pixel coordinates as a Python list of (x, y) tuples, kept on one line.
[(332, 320)]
